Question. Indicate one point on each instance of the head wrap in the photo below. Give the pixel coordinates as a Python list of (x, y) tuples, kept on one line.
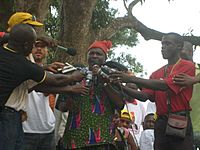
[(103, 45)]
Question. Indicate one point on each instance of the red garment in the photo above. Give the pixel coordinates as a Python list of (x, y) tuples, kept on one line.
[(2, 34), (104, 45), (180, 96)]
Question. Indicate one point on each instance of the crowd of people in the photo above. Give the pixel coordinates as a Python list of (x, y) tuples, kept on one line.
[(93, 107)]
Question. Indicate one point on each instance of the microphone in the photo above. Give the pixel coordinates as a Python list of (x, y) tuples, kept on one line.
[(70, 51)]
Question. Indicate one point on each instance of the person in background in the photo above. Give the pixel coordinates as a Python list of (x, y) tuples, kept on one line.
[(147, 135), (19, 18), (187, 54), (123, 137), (40, 124), (137, 108)]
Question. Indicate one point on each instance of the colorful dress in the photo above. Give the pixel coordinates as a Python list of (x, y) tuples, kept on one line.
[(90, 120)]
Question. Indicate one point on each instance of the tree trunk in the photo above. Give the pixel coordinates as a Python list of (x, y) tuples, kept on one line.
[(76, 28), (6, 9), (39, 8)]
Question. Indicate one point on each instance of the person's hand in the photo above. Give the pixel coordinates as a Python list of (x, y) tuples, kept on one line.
[(184, 80), (77, 76), (95, 69), (118, 76), (79, 89), (53, 67)]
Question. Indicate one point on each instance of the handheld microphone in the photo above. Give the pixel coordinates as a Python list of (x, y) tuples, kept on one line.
[(70, 51)]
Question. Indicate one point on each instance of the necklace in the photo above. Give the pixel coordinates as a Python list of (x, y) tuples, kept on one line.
[(165, 69)]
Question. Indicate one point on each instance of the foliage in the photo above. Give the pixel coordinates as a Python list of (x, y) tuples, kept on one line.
[(52, 23), (129, 61), (102, 16), (126, 37)]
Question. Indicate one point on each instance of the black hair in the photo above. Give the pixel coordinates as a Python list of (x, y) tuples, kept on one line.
[(150, 114), (177, 38), (21, 39)]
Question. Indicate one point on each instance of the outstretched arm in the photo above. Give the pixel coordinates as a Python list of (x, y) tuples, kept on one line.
[(142, 96), (62, 79), (75, 89), (146, 83), (114, 95)]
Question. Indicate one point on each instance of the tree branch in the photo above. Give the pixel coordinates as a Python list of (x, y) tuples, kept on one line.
[(131, 21), (113, 28)]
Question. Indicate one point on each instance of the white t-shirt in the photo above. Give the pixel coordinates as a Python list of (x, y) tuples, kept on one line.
[(151, 108), (147, 139), (41, 118), (19, 96), (139, 112)]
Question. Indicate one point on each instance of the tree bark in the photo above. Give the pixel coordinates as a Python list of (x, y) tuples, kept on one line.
[(6, 9), (39, 8), (76, 29)]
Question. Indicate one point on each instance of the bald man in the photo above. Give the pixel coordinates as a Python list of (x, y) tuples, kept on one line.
[(15, 70)]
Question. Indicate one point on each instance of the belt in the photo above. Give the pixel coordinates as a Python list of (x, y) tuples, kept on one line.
[(6, 108)]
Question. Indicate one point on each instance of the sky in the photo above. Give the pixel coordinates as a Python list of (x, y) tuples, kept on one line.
[(178, 16)]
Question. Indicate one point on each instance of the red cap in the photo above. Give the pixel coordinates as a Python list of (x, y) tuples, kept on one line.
[(104, 45)]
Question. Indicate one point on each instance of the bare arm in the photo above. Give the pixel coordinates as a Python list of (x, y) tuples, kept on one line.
[(150, 83), (114, 95), (142, 96), (131, 142), (76, 89), (146, 83), (62, 79)]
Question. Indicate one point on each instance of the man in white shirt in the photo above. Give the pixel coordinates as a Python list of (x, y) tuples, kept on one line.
[(40, 124)]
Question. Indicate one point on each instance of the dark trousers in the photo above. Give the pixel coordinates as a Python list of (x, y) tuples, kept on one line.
[(39, 141), (163, 142), (11, 132)]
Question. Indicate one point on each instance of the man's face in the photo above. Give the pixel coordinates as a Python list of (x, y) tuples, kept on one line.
[(186, 54), (96, 56), (169, 47), (124, 123), (39, 51), (149, 122), (187, 51)]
